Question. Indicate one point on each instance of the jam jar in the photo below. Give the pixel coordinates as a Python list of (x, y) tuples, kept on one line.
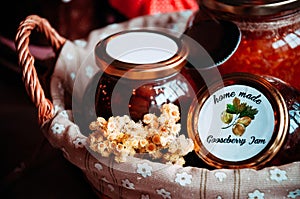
[(245, 121), (140, 70), (270, 36)]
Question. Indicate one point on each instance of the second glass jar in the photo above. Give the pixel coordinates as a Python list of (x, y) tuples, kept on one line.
[(270, 42)]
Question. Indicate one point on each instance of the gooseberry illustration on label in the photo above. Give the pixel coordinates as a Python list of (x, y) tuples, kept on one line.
[(238, 116), (234, 123)]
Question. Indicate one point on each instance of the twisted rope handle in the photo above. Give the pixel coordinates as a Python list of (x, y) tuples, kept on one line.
[(26, 61)]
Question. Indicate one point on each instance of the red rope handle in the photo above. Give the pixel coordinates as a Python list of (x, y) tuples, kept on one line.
[(26, 61)]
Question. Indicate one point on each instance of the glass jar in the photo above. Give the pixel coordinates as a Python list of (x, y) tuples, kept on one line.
[(270, 41), (140, 70), (245, 121)]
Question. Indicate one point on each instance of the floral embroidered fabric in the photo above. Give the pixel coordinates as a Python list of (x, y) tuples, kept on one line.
[(141, 178)]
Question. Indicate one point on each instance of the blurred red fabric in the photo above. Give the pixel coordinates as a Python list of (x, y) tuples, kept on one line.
[(134, 8)]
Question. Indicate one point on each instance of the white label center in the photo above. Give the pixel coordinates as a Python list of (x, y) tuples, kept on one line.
[(236, 123), (141, 47)]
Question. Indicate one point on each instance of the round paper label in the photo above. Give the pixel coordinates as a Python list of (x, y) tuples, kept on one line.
[(236, 123)]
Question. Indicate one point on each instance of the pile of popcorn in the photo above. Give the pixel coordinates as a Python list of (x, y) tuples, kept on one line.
[(154, 137)]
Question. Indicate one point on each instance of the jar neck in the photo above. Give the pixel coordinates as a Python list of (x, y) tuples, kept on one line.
[(252, 7), (109, 55), (138, 79), (144, 71), (267, 24)]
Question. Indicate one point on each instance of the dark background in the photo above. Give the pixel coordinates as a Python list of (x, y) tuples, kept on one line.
[(30, 167)]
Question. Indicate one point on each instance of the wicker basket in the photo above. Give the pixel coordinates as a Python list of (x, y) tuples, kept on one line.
[(138, 178)]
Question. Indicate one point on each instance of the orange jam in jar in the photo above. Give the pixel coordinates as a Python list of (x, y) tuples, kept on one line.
[(270, 41), (245, 121)]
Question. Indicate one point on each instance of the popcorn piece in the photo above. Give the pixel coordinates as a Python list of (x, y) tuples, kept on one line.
[(111, 124), (154, 135), (149, 118), (175, 129), (120, 147), (156, 139), (151, 147), (101, 121), (94, 126), (143, 142), (172, 112)]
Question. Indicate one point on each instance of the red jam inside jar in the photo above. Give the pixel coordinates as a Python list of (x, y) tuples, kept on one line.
[(270, 42), (140, 71)]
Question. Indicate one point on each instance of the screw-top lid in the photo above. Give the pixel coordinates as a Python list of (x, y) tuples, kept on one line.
[(141, 54), (240, 122), (249, 7)]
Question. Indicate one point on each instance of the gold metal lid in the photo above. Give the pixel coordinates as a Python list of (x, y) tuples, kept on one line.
[(169, 56), (252, 8), (240, 122)]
